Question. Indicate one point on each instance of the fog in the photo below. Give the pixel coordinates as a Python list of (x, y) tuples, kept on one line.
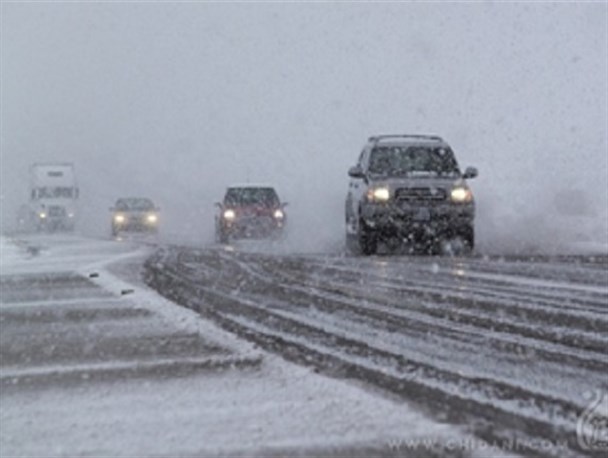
[(177, 101)]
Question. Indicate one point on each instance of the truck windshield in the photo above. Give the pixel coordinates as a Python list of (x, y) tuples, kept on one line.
[(404, 160), (55, 193)]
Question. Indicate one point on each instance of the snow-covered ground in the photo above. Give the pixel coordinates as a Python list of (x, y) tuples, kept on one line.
[(64, 395)]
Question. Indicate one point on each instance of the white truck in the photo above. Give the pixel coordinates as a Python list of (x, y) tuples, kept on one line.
[(53, 198)]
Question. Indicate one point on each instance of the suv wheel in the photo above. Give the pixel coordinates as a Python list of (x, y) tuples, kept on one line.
[(461, 243), (367, 238), (222, 237), (352, 240), (468, 235), (352, 245)]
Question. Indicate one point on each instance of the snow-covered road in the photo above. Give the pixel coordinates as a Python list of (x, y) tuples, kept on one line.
[(93, 362), (515, 346)]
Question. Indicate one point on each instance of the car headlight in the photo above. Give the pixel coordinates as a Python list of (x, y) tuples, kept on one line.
[(119, 218), (229, 215), (278, 214), (378, 194), (152, 218), (42, 215), (461, 194)]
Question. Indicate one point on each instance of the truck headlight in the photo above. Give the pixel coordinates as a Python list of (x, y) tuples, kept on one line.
[(119, 218), (152, 219), (378, 194), (461, 195), (278, 214), (229, 215)]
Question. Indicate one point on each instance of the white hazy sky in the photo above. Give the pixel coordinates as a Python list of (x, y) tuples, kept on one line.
[(176, 100)]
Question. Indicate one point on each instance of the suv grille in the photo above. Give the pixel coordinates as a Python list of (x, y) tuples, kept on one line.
[(420, 194)]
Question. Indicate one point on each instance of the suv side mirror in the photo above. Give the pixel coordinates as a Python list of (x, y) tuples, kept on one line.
[(470, 172), (356, 172), (218, 204)]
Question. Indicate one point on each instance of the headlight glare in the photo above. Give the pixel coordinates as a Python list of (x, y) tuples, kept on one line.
[(42, 215), (152, 218), (229, 215), (119, 218), (378, 194), (278, 214), (461, 195)]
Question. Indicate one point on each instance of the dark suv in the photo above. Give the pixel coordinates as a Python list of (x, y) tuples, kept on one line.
[(250, 211), (409, 188)]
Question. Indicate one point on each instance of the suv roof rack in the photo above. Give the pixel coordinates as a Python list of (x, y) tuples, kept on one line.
[(377, 138)]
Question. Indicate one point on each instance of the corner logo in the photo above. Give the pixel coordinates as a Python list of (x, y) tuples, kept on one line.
[(592, 426)]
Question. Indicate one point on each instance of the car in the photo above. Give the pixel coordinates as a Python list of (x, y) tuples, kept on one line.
[(250, 211), (409, 188), (134, 214)]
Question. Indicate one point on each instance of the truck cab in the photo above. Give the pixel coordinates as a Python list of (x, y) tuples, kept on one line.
[(53, 198)]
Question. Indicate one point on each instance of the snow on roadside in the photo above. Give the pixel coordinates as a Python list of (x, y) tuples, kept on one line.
[(9, 252), (185, 319), (55, 253)]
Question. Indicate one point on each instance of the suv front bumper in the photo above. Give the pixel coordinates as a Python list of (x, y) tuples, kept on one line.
[(403, 219)]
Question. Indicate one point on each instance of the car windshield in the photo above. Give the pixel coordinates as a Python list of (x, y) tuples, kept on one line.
[(134, 204), (407, 160), (251, 196)]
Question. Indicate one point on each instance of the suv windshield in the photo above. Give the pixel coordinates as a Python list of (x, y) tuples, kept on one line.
[(251, 196), (134, 204), (403, 160)]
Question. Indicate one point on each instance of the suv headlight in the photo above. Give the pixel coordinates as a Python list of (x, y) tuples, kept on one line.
[(378, 194), (229, 215), (278, 214), (461, 195), (119, 218), (152, 218)]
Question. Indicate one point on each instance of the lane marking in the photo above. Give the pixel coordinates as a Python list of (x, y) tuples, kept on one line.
[(16, 373)]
